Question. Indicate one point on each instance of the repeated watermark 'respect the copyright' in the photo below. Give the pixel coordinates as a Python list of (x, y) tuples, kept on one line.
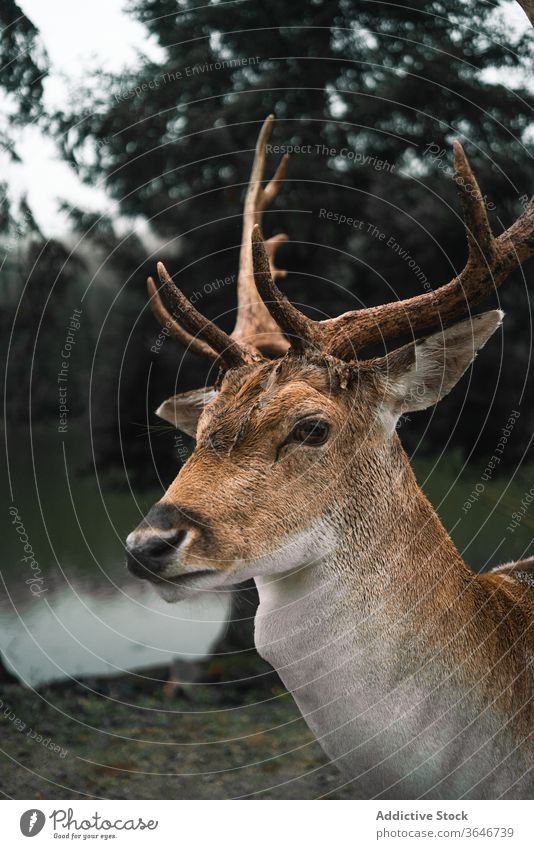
[(357, 157), (519, 514), (63, 374)]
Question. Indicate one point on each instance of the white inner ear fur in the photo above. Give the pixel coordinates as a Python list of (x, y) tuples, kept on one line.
[(184, 410), (422, 373)]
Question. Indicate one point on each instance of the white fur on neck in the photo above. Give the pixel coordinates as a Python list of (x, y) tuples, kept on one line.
[(395, 730)]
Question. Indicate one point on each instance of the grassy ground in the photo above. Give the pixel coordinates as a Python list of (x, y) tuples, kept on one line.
[(124, 738)]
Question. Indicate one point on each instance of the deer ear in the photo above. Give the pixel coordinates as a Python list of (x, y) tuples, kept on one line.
[(422, 373), (183, 411)]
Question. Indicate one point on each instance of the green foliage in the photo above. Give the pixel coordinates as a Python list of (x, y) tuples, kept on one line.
[(374, 83), (45, 285), (24, 66)]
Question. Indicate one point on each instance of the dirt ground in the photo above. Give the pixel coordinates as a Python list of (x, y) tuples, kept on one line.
[(128, 737)]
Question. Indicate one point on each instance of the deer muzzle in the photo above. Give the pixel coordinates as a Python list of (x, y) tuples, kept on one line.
[(157, 549)]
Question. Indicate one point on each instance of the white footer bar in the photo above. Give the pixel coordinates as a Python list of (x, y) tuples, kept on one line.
[(269, 824)]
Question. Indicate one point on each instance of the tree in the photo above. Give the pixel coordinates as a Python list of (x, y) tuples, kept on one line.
[(369, 95), (24, 66)]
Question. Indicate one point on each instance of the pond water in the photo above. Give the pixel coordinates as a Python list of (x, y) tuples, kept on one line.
[(80, 612), (93, 617)]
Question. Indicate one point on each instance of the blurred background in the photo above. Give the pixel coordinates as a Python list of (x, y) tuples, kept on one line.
[(126, 136)]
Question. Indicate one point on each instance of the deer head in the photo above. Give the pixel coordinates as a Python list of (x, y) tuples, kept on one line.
[(296, 451)]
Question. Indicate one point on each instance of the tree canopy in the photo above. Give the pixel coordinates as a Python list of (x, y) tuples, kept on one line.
[(24, 66), (369, 97)]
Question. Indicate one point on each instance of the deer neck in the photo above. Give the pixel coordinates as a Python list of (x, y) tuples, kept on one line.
[(350, 631), (383, 553)]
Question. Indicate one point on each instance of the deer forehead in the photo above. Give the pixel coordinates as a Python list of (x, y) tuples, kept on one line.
[(267, 400)]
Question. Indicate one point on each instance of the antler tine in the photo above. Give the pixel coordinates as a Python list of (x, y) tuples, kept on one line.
[(479, 235), (271, 246), (254, 328), (193, 343), (254, 323), (231, 353), (490, 262), (303, 331)]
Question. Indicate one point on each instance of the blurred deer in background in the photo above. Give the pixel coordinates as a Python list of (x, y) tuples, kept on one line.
[(413, 672)]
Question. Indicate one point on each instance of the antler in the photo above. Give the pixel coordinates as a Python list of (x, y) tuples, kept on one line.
[(489, 263), (231, 353), (254, 323), (254, 328), (528, 8), (167, 321)]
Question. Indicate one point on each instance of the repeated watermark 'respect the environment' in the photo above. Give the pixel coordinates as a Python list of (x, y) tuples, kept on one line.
[(370, 229), (186, 72)]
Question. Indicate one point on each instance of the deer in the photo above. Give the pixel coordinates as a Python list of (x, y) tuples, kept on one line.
[(413, 672)]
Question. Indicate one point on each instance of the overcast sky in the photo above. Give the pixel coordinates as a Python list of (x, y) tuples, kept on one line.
[(76, 32), (77, 36)]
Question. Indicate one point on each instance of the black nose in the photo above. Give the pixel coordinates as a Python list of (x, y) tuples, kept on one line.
[(149, 556), (153, 544)]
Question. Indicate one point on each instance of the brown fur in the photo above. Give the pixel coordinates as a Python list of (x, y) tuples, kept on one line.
[(235, 466), (256, 491)]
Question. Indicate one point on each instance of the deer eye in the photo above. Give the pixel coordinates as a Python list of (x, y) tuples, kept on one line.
[(311, 431)]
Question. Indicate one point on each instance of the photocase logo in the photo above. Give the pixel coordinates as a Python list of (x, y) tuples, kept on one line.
[(32, 822)]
